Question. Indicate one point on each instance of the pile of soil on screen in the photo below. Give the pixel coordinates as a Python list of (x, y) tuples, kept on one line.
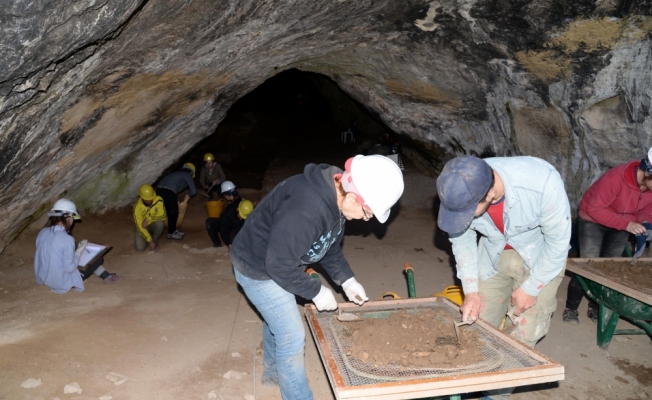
[(414, 341), (637, 276)]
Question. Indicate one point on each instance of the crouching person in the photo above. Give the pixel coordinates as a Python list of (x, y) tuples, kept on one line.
[(149, 217), (56, 260)]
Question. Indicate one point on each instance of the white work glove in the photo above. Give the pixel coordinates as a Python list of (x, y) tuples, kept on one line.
[(354, 291), (325, 301), (81, 247)]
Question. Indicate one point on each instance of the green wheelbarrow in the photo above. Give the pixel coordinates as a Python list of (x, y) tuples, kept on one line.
[(615, 301)]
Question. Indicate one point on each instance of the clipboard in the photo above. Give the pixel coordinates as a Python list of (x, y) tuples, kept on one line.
[(91, 254)]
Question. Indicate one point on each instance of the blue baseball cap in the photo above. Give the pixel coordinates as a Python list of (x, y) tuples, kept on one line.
[(461, 186)]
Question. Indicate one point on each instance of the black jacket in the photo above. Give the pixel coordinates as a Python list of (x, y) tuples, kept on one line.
[(297, 224), (230, 223)]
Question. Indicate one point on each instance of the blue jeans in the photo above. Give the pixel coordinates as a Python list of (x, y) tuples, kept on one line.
[(284, 338)]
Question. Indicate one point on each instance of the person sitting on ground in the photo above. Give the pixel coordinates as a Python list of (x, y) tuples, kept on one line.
[(169, 188), (233, 219), (618, 204), (211, 176), (149, 217), (214, 225), (56, 261)]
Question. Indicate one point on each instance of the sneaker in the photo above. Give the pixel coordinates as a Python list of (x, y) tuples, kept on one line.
[(571, 316), (176, 235), (592, 313), (111, 279)]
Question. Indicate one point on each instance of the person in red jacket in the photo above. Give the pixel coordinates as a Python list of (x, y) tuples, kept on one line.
[(619, 203)]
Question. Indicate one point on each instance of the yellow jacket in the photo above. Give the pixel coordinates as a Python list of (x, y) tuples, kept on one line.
[(153, 213)]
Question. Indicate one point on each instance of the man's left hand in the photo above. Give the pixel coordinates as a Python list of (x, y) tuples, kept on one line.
[(522, 301)]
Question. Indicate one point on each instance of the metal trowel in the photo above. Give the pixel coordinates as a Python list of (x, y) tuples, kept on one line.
[(346, 317), (457, 329)]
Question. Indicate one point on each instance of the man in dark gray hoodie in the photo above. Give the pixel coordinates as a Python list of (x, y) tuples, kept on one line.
[(299, 223)]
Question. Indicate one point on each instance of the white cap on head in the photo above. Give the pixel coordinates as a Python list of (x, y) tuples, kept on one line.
[(377, 179)]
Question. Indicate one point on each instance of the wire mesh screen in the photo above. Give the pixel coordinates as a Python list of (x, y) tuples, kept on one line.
[(498, 355)]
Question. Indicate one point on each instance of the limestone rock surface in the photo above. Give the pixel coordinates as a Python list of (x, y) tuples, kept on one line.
[(97, 97)]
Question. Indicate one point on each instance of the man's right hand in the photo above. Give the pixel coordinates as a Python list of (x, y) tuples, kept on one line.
[(472, 306), (636, 228)]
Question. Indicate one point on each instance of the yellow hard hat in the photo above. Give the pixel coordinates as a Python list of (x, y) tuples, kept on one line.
[(209, 157), (245, 208), (146, 192), (191, 167)]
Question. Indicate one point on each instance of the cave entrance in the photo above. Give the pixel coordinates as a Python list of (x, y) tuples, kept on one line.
[(295, 116)]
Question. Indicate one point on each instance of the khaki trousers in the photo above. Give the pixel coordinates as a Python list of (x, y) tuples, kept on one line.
[(496, 293)]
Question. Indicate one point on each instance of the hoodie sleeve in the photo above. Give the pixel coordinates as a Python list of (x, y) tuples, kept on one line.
[(291, 236), (335, 264), (644, 214), (607, 190)]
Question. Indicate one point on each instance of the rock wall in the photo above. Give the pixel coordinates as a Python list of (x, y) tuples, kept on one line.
[(97, 97)]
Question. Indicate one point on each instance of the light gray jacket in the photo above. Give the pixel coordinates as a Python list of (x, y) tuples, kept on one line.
[(537, 225)]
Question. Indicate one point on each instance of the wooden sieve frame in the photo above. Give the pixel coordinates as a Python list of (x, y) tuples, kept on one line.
[(549, 371)]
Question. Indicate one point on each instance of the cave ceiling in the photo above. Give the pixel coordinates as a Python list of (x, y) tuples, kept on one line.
[(97, 97)]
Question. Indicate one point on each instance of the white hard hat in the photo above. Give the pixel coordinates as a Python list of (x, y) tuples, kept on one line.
[(379, 181), (64, 206), (227, 186)]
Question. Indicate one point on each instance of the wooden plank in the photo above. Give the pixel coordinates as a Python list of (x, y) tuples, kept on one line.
[(578, 266), (417, 390), (550, 371), (324, 348)]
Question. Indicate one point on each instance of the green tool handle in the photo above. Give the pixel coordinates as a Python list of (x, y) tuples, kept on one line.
[(409, 272)]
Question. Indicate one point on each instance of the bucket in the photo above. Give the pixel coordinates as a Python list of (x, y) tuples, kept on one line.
[(453, 293), (214, 208)]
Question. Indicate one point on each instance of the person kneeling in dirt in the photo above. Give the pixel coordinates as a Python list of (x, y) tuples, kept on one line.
[(211, 176), (149, 217), (618, 204), (169, 188), (301, 222), (214, 225), (233, 219), (56, 260)]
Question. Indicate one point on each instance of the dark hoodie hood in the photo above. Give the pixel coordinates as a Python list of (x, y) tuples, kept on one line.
[(320, 177)]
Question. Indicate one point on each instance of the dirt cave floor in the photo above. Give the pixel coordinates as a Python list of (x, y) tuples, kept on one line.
[(177, 326)]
